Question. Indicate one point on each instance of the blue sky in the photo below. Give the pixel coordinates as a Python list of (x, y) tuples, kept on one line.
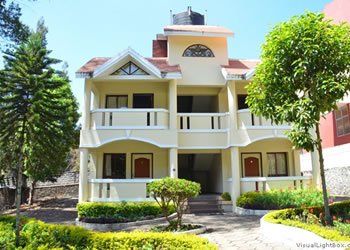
[(82, 29)]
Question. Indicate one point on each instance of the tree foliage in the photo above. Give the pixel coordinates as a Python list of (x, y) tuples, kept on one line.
[(173, 191), (303, 74), (38, 112), (11, 27)]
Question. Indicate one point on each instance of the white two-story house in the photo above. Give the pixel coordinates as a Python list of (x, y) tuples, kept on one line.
[(182, 114)]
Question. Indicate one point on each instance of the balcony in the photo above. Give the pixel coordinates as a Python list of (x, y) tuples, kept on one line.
[(247, 120), (200, 122), (129, 119), (113, 190)]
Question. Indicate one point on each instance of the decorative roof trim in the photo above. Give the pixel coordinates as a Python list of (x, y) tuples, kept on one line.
[(197, 33), (122, 55)]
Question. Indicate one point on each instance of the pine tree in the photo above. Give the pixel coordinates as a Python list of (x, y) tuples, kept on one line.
[(38, 113)]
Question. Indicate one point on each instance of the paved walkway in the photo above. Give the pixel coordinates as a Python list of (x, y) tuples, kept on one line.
[(231, 232)]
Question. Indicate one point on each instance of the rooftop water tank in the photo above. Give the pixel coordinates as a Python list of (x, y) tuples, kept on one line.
[(188, 17)]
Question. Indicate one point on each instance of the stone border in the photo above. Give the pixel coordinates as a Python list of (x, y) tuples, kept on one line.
[(292, 235), (118, 226), (244, 211), (200, 230)]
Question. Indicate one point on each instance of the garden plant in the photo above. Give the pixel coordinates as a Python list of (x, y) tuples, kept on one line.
[(175, 191), (281, 198)]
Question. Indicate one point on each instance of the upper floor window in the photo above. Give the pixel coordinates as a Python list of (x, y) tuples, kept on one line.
[(129, 69), (342, 120), (116, 101), (114, 166), (198, 50)]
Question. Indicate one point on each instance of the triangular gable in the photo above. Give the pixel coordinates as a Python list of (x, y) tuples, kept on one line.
[(111, 67), (129, 68)]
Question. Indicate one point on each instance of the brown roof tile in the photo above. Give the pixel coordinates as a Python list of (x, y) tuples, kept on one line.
[(160, 63), (239, 66)]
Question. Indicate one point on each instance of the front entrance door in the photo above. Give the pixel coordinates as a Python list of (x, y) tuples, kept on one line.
[(142, 165), (251, 164)]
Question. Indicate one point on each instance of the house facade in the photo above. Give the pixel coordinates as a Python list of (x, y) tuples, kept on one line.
[(182, 114), (335, 126)]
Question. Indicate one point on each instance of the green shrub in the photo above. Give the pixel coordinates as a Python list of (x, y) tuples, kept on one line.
[(287, 217), (173, 190), (247, 198), (281, 198), (129, 210), (226, 196), (39, 235)]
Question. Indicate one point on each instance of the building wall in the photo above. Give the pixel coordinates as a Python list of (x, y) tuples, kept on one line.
[(328, 130), (199, 70), (272, 146), (160, 157), (130, 87)]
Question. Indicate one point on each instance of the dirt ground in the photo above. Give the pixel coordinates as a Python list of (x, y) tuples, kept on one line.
[(57, 211)]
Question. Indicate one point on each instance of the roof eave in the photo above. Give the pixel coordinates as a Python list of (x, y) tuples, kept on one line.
[(198, 33)]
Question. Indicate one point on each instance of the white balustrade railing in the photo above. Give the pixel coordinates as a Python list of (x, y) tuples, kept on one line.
[(129, 118), (113, 190), (246, 119), (202, 121), (249, 184)]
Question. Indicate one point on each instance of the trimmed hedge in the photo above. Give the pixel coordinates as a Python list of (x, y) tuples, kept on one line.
[(118, 210), (341, 209), (39, 235)]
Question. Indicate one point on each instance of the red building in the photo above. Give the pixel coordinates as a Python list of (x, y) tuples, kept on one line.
[(335, 129)]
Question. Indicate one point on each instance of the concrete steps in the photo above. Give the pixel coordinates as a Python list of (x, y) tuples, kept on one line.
[(205, 204)]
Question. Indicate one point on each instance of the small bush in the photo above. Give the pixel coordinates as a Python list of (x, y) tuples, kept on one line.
[(173, 190), (282, 198), (39, 235), (300, 217), (121, 211), (226, 196)]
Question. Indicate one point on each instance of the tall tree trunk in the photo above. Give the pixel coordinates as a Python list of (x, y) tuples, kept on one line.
[(19, 199), (31, 193), (323, 178)]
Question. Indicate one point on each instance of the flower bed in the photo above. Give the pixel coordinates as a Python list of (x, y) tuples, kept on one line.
[(121, 212), (280, 199), (312, 219), (39, 235)]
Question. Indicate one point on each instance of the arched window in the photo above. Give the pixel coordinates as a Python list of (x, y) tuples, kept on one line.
[(198, 50)]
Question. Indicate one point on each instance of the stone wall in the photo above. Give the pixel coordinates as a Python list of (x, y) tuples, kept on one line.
[(337, 180), (70, 190)]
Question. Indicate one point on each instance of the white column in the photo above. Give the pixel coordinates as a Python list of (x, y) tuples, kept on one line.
[(173, 163), (236, 179), (232, 104), (316, 177), (172, 105), (87, 105), (297, 170), (83, 178)]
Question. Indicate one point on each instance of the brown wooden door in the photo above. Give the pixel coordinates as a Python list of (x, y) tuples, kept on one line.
[(251, 166), (142, 168)]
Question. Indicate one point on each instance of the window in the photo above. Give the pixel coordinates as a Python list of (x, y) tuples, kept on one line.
[(342, 120), (130, 69), (143, 100), (277, 163), (241, 102), (198, 50), (116, 101), (114, 166)]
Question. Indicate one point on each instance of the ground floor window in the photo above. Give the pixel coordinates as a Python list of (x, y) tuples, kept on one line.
[(277, 163), (114, 166)]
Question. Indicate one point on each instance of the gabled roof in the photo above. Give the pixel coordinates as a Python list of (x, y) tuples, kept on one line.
[(158, 67), (197, 30), (338, 10), (239, 69)]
